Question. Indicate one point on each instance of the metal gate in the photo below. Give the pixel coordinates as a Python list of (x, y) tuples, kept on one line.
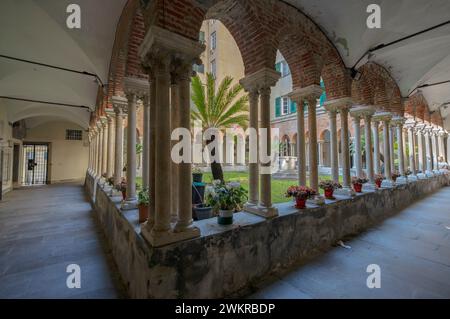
[(35, 164)]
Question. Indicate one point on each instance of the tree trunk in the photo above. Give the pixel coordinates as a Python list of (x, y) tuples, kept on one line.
[(216, 168)]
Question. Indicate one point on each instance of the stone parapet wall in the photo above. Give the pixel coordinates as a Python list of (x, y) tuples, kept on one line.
[(226, 260)]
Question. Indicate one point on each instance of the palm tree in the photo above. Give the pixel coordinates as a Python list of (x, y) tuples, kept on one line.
[(219, 109)]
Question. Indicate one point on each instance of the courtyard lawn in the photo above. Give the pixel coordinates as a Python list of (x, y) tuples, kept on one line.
[(279, 187)]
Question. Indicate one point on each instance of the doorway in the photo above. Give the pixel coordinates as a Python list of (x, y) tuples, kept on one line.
[(35, 159)]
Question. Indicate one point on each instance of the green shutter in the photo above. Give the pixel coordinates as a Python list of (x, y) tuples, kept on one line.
[(323, 97), (278, 67), (293, 107), (278, 107)]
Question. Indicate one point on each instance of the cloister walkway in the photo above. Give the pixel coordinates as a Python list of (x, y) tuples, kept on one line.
[(42, 231), (412, 249)]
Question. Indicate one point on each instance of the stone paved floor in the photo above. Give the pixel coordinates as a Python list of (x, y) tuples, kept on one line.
[(412, 249), (42, 231)]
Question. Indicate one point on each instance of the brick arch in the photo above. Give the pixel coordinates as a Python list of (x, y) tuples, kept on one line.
[(335, 76), (362, 90)]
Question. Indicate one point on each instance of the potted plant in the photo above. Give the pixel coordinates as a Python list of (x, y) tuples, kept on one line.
[(122, 187), (395, 175), (358, 183), (143, 204), (301, 194), (226, 199), (111, 181), (378, 180), (201, 210), (408, 172), (329, 187), (197, 175)]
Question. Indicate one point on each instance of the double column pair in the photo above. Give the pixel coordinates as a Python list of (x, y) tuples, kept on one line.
[(258, 85), (168, 58)]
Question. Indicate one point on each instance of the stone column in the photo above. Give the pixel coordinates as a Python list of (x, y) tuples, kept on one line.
[(99, 149), (105, 145), (262, 81), (357, 156), (90, 151), (95, 151), (448, 147), (146, 142), (120, 108), (111, 142), (253, 197), (429, 152), (422, 151), (301, 150), (398, 122), (436, 153), (332, 112), (391, 147), (320, 152), (312, 127), (175, 114), (386, 118), (410, 124), (342, 106), (376, 147), (441, 143), (185, 222), (369, 154), (135, 89)]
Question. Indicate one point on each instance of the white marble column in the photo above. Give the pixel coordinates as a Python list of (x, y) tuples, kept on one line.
[(398, 122), (441, 143), (301, 147), (421, 150), (386, 118), (146, 142), (376, 147), (429, 152), (391, 148), (99, 149), (410, 124), (332, 114), (90, 151), (369, 153), (105, 146), (345, 141), (436, 153), (357, 156), (111, 143), (320, 152), (313, 149), (185, 223), (120, 108), (95, 151)]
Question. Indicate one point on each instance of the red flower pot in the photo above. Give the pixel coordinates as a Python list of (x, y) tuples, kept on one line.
[(300, 203), (124, 195), (357, 188), (143, 213), (329, 193), (378, 183)]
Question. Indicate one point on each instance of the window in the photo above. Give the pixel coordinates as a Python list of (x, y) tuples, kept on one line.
[(199, 68), (201, 37), (213, 40), (285, 106), (213, 68), (74, 135), (283, 68)]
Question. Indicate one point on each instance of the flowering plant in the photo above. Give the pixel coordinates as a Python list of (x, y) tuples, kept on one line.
[(359, 180), (144, 197), (225, 196), (408, 172), (196, 170), (378, 178), (301, 192), (329, 184), (395, 175)]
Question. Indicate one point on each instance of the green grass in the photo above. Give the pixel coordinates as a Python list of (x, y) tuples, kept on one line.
[(279, 187)]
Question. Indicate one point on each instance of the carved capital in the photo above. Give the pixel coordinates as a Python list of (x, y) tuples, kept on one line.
[(382, 116), (120, 105), (309, 93), (135, 87), (262, 79), (362, 111)]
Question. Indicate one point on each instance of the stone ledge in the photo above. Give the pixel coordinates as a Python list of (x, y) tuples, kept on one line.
[(227, 259)]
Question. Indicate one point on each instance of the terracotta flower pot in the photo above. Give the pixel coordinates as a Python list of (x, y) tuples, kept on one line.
[(378, 183), (357, 187), (143, 213), (329, 193), (300, 203)]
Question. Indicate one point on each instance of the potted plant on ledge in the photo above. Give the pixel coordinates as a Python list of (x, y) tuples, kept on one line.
[(122, 187), (143, 204), (329, 187), (301, 194), (201, 209), (226, 199), (378, 180), (395, 175), (358, 183), (197, 175)]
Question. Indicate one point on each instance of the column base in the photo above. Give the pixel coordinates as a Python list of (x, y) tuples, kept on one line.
[(429, 174), (421, 176), (318, 200), (163, 238), (129, 204), (266, 212), (402, 180), (387, 184), (345, 191)]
